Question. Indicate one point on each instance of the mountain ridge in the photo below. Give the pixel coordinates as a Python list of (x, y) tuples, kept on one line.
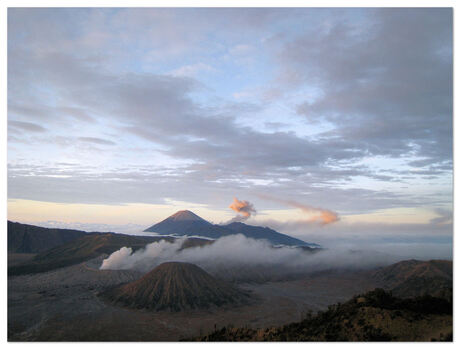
[(26, 238), (197, 226), (414, 278)]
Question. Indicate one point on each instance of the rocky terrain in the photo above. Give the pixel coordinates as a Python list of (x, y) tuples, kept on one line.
[(63, 305)]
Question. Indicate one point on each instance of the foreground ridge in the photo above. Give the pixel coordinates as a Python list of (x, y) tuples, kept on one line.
[(374, 316)]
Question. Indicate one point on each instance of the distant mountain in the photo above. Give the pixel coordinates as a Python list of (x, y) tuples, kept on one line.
[(175, 286), (256, 232), (25, 238), (414, 278), (185, 215), (186, 223)]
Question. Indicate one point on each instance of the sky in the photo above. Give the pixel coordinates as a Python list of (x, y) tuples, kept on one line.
[(117, 118)]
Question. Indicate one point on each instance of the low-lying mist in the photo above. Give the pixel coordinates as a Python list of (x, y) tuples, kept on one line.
[(239, 258)]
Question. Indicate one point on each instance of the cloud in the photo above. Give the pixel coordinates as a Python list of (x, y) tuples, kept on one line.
[(77, 70), (381, 97), (192, 70), (315, 214), (445, 217), (245, 259), (241, 50), (26, 126), (96, 140), (238, 257), (130, 228)]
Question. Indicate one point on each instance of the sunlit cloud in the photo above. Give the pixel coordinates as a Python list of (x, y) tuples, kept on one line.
[(314, 214)]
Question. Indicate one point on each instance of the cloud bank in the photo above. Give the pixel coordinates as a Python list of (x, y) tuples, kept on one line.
[(242, 258)]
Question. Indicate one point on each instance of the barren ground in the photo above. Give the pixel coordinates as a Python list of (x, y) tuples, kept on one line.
[(62, 305)]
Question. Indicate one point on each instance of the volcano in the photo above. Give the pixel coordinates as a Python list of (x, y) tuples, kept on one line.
[(187, 223), (185, 215), (176, 286)]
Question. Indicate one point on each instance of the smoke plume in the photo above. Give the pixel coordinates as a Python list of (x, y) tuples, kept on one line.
[(244, 209), (315, 214)]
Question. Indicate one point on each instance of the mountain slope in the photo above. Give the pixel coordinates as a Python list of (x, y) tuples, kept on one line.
[(87, 247), (25, 238), (413, 278), (374, 316), (187, 223), (175, 286), (266, 233)]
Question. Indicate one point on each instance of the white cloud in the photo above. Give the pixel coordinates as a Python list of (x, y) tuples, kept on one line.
[(193, 70)]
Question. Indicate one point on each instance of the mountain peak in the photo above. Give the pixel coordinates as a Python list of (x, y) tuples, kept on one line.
[(176, 286), (185, 215)]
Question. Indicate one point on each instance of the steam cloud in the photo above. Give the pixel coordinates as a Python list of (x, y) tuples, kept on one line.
[(244, 209), (316, 214), (240, 258)]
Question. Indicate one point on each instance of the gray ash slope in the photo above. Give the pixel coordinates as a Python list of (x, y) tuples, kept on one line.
[(186, 223), (176, 286)]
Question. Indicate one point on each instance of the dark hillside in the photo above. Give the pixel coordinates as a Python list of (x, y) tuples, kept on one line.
[(374, 316), (414, 278), (25, 238), (87, 247)]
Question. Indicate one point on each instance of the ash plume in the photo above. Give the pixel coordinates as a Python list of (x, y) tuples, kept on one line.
[(316, 214), (244, 209)]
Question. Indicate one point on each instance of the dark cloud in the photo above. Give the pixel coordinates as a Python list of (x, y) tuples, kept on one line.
[(96, 140), (26, 126), (385, 85), (445, 218)]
